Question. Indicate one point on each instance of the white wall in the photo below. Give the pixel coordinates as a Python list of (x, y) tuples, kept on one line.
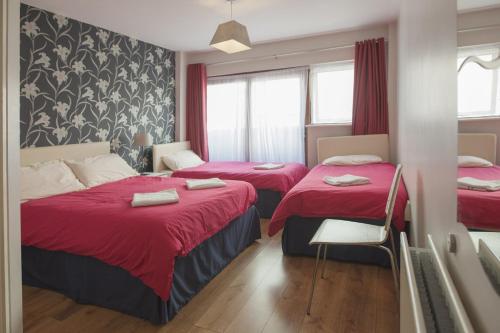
[(479, 27), (287, 53), (476, 28), (428, 146), (427, 112), (392, 90), (303, 52), (484, 125), (313, 132)]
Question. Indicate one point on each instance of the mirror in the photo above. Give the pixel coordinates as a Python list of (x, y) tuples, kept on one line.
[(478, 183)]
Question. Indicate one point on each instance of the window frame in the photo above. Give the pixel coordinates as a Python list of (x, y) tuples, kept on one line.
[(322, 68)]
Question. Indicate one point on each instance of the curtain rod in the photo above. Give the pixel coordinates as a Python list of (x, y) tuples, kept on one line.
[(276, 56), (257, 72)]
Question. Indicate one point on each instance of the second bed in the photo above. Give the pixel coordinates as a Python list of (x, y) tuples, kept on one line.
[(311, 201), (271, 185)]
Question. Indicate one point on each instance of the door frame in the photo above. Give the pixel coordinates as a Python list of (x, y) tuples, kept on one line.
[(10, 231)]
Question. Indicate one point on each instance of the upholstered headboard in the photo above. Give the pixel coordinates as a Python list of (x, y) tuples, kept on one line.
[(67, 152), (168, 148), (376, 144), (482, 145)]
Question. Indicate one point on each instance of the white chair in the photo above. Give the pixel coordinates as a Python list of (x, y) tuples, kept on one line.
[(340, 232)]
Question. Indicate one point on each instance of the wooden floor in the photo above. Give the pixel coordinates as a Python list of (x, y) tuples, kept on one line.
[(260, 291)]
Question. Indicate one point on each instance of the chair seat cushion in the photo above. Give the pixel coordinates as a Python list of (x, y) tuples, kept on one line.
[(348, 232)]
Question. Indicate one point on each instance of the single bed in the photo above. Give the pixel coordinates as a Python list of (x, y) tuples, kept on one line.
[(479, 210), (311, 201), (148, 262), (271, 185)]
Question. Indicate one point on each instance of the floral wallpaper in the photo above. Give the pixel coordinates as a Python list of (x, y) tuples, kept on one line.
[(80, 83)]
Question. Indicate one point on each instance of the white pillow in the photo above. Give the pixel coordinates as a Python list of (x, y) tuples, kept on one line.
[(44, 179), (352, 160), (465, 161), (182, 159), (101, 169)]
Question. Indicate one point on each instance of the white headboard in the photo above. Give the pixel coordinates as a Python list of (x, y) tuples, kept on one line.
[(376, 144), (482, 145), (30, 156), (168, 148)]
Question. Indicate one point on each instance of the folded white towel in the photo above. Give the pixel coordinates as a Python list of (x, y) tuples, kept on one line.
[(155, 198), (346, 180), (474, 184), (269, 166), (200, 184)]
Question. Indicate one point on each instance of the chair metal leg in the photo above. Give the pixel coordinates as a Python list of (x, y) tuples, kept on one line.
[(324, 261), (394, 268), (313, 281)]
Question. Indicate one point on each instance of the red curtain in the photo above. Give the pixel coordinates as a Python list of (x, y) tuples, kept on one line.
[(370, 109), (196, 109)]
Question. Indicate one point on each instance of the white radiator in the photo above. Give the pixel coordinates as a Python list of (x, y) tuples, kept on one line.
[(429, 301)]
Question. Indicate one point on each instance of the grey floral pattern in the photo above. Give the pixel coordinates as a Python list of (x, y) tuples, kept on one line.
[(80, 83)]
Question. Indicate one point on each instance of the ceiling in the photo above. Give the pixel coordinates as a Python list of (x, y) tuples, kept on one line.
[(188, 25)]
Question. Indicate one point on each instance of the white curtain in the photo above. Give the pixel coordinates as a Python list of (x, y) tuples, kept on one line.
[(258, 117), (277, 113), (227, 120)]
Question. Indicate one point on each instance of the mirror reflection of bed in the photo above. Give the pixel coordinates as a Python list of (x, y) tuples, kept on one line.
[(478, 198), (478, 182)]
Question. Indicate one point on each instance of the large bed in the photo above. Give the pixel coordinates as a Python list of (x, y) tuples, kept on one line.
[(311, 201), (92, 246), (479, 210), (271, 185)]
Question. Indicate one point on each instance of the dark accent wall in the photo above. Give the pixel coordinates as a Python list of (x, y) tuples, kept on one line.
[(81, 83)]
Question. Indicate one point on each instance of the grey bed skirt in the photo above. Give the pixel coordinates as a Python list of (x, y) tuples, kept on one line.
[(298, 231), (87, 280)]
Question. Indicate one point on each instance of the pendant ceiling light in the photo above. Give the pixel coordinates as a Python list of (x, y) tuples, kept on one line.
[(231, 36)]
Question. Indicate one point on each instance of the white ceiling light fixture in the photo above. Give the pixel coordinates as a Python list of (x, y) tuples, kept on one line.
[(231, 36)]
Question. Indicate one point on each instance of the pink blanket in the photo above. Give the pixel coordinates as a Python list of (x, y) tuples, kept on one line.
[(311, 197), (99, 222), (279, 180), (476, 209)]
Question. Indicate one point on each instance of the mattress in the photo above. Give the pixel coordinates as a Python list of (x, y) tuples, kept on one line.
[(278, 180), (100, 223), (311, 197)]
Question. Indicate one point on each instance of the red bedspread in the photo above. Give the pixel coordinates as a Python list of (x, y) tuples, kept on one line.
[(99, 222), (279, 180), (311, 197), (479, 209)]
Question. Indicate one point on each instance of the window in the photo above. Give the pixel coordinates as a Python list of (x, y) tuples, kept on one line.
[(478, 88), (331, 93), (257, 117)]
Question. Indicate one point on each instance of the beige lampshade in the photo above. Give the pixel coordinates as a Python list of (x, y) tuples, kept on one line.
[(231, 37), (143, 139)]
